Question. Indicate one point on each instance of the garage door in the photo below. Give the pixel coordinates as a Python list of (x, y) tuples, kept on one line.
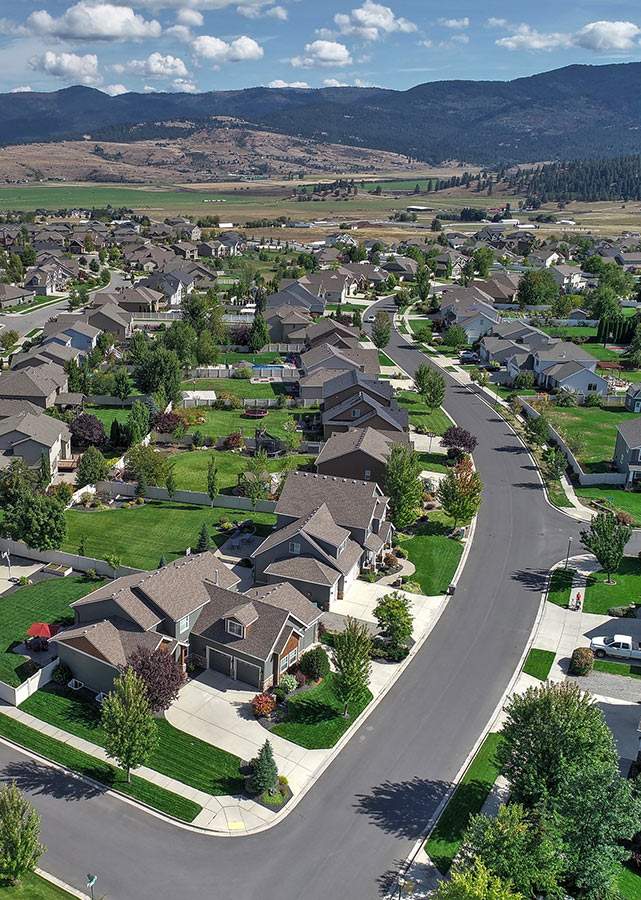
[(219, 661), (247, 673)]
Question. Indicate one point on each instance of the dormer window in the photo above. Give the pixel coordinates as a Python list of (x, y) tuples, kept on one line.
[(234, 628), (356, 413)]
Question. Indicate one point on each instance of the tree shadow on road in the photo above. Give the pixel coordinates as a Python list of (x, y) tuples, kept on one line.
[(37, 778), (532, 579), (402, 808)]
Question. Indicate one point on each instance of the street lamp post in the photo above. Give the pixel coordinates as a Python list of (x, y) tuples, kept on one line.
[(567, 558)]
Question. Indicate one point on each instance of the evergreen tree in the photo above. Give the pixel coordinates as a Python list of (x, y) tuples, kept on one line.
[(44, 471), (212, 479), (259, 336), (163, 562), (92, 467), (127, 722), (204, 540), (170, 483), (82, 546), (141, 487), (114, 433), (264, 776)]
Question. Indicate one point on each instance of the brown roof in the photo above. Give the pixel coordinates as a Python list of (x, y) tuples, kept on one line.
[(111, 640), (376, 444), (286, 596), (303, 568), (351, 502)]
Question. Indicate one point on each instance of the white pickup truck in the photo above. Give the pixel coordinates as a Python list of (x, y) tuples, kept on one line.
[(619, 645)]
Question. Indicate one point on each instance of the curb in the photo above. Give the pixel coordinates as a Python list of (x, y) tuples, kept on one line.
[(60, 884)]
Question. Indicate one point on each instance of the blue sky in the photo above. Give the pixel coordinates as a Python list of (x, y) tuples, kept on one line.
[(200, 45)]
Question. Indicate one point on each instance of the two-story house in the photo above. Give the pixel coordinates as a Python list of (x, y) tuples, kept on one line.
[(627, 450)]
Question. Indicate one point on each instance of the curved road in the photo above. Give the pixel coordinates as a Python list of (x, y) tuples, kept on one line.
[(350, 833)]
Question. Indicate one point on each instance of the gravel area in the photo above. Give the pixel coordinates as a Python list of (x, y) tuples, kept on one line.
[(621, 687)]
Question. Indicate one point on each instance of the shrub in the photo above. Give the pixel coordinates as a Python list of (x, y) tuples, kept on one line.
[(23, 580), (315, 663), (166, 423), (62, 674), (242, 372), (369, 577), (288, 683), (283, 780), (623, 612), (593, 400), (623, 517), (397, 654), (263, 705), (279, 694), (390, 560), (234, 440), (197, 438), (300, 677), (582, 661), (91, 574)]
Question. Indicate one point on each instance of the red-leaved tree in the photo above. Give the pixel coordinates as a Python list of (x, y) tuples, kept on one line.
[(166, 423), (86, 430), (162, 675), (456, 438)]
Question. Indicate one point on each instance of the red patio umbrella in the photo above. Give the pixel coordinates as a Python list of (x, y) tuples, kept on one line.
[(41, 629)]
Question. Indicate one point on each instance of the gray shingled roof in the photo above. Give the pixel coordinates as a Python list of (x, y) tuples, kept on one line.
[(351, 502), (376, 444), (631, 432), (40, 428), (303, 569)]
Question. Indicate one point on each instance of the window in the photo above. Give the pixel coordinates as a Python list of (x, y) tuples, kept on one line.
[(592, 387), (356, 413), (293, 656), (294, 547), (184, 624), (283, 664), (368, 474), (234, 628)]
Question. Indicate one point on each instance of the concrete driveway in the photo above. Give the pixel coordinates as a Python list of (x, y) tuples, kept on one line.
[(20, 568), (362, 598)]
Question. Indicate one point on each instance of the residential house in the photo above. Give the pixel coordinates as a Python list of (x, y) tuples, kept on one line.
[(185, 250), (544, 258), (39, 385), (359, 453), (500, 288), (44, 354), (325, 356), (79, 334), (362, 410), (135, 299), (630, 261), (189, 608), (633, 397), (404, 268), (297, 295), (29, 435), (284, 321), (627, 450), (568, 278), (10, 295), (332, 386), (332, 286), (211, 249), (327, 331), (450, 264)]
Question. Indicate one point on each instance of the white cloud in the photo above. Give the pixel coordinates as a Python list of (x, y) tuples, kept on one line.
[(190, 17), (219, 51), (22, 89), (190, 4), (323, 53), (279, 83), (69, 67), (370, 22), (604, 37), (256, 12), (460, 38), (426, 43), (150, 89), (93, 21), (114, 90), (181, 33), (334, 82), (455, 23), (599, 37), (183, 86), (493, 22), (155, 66)]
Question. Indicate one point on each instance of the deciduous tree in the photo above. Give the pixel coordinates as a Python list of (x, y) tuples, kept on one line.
[(381, 330), (460, 492), (20, 847), (607, 539), (431, 386), (87, 429), (38, 520), (457, 438), (351, 658), (161, 674), (403, 485), (127, 722), (394, 617), (475, 882)]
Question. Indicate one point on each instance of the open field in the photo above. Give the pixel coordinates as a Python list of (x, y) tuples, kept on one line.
[(140, 536)]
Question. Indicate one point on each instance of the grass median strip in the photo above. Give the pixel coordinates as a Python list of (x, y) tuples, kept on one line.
[(617, 668), (34, 887), (177, 755), (560, 587), (539, 663), (468, 798), (102, 772)]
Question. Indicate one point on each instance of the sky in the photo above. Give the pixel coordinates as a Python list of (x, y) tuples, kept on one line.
[(202, 45)]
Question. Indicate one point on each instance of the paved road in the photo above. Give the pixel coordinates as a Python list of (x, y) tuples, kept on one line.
[(352, 830)]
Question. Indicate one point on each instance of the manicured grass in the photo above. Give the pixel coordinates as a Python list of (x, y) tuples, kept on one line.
[(224, 421), (191, 468), (177, 755), (434, 462), (384, 359), (560, 585), (504, 391), (615, 498), (315, 718), (252, 359), (141, 535), (46, 601), (435, 555), (598, 351), (629, 882), (33, 887), (567, 331), (468, 798), (539, 663), (599, 596), (112, 777), (617, 668), (436, 421), (107, 414), (238, 387), (346, 307), (594, 428)]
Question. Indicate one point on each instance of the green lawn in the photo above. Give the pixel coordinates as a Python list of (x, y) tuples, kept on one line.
[(595, 430), (315, 718), (224, 421), (46, 601), (251, 359), (599, 596), (598, 351), (239, 387), (191, 468), (142, 534), (560, 584), (384, 359), (435, 555), (435, 421), (435, 462), (539, 663), (615, 498), (107, 414), (33, 887), (112, 777), (178, 755), (629, 882), (617, 668), (468, 798), (568, 331)]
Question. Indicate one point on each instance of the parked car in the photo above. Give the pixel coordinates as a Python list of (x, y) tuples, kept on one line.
[(620, 645), (370, 318), (468, 356)]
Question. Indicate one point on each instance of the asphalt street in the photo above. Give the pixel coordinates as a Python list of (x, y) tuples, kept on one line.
[(352, 830)]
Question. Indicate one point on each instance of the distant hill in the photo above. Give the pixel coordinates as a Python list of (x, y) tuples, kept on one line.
[(570, 113)]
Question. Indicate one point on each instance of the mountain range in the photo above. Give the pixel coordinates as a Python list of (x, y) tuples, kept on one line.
[(570, 113)]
